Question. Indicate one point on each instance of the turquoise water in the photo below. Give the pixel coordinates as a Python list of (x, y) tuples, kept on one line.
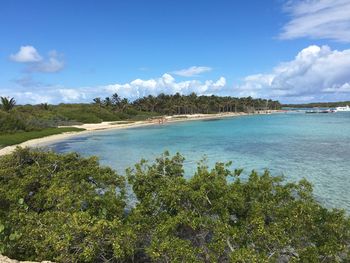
[(297, 145)]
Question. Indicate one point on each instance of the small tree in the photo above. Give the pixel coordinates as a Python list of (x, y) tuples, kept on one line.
[(107, 102), (116, 99), (97, 101), (7, 104), (44, 106), (124, 104)]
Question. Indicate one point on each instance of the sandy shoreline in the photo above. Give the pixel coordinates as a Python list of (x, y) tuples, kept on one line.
[(114, 125)]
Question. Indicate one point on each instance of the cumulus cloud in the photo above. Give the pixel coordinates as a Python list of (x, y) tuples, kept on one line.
[(192, 71), (36, 63), (318, 19), (165, 84), (316, 73), (32, 97), (131, 90), (26, 54)]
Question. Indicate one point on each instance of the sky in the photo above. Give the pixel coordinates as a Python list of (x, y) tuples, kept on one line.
[(294, 51)]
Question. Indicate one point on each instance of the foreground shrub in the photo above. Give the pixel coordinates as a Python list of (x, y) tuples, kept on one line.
[(58, 207), (69, 209)]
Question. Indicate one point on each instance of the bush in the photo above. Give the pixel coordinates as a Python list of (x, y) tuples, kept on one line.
[(11, 123), (52, 210), (69, 209)]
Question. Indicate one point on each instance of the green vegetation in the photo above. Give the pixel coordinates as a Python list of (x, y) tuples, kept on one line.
[(67, 208), (7, 139), (7, 104), (190, 104), (36, 117), (319, 104), (33, 121)]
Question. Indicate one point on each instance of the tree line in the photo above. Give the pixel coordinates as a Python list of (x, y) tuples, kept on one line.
[(189, 104), (174, 104), (15, 118), (318, 104)]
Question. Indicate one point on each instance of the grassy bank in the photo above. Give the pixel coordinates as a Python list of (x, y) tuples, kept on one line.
[(7, 139)]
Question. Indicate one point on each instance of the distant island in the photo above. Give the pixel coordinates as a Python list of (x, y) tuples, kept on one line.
[(318, 105)]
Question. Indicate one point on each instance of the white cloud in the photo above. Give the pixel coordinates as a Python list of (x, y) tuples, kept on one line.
[(131, 90), (345, 88), (318, 19), (36, 63), (192, 71), (31, 97), (53, 64), (165, 84), (71, 95), (316, 73), (26, 54)]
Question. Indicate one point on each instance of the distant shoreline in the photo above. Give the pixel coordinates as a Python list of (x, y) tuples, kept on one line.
[(115, 125)]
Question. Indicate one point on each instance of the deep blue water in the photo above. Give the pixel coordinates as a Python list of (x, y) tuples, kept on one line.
[(296, 145)]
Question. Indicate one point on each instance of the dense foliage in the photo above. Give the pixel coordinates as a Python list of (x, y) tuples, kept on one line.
[(36, 117), (69, 209), (182, 104), (7, 104)]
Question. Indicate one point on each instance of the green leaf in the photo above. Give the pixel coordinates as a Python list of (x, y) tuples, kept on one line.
[(2, 248), (2, 227), (12, 237), (21, 201)]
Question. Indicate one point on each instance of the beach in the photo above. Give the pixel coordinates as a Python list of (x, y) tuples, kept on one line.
[(96, 127)]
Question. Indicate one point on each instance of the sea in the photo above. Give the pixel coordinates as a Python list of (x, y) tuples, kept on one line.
[(293, 144)]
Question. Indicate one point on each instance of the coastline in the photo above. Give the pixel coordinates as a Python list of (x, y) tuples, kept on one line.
[(116, 125)]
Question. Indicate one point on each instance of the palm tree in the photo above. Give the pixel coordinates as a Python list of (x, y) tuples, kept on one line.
[(124, 104), (44, 106), (107, 102), (7, 104), (97, 101), (116, 99)]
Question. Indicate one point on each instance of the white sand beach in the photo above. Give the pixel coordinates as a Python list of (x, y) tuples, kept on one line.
[(96, 127)]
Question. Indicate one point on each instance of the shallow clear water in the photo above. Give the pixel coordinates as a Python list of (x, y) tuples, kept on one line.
[(297, 145)]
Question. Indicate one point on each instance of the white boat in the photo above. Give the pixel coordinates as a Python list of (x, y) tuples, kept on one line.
[(346, 108)]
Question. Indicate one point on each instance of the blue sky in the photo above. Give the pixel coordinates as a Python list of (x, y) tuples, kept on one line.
[(73, 51)]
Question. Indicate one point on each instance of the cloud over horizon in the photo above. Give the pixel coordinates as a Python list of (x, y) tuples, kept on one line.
[(165, 84), (132, 90), (318, 19), (317, 73)]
